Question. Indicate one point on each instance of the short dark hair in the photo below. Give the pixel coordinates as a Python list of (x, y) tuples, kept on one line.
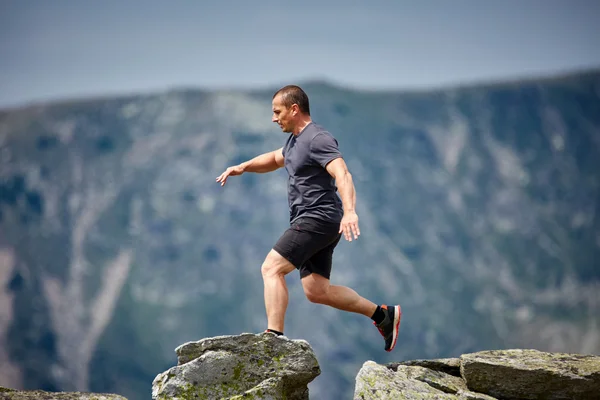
[(292, 94)]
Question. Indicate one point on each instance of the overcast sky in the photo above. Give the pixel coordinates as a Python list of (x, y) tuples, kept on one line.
[(63, 48)]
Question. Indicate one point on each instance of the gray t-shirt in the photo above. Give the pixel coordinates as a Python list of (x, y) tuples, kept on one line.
[(311, 190)]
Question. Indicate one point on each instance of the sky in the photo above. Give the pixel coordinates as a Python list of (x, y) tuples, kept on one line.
[(71, 48)]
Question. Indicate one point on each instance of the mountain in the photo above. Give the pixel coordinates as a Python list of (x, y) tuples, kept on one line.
[(479, 212)]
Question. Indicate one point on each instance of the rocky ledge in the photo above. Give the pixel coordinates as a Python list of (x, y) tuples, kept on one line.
[(486, 375), (247, 366), (265, 366), (11, 394)]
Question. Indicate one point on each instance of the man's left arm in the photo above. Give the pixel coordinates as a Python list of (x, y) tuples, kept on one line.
[(338, 169)]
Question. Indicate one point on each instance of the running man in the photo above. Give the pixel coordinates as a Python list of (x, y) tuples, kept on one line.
[(318, 217)]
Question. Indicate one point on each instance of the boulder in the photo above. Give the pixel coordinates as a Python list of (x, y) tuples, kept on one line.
[(439, 380), (486, 375), (410, 382), (449, 366), (532, 374), (378, 382), (12, 394), (246, 366)]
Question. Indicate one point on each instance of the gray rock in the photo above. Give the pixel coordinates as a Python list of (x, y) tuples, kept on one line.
[(467, 395), (449, 366), (12, 394), (245, 366), (439, 380), (532, 374), (486, 375), (377, 382)]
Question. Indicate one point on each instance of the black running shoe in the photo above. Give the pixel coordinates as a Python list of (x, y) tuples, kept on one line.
[(390, 325), (273, 332)]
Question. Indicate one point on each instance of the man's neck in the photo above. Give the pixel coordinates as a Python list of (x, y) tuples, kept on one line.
[(301, 125)]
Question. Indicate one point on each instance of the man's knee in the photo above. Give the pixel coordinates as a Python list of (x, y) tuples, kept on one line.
[(314, 296), (315, 290), (275, 264)]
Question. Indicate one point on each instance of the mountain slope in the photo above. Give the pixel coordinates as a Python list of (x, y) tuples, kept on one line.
[(478, 209)]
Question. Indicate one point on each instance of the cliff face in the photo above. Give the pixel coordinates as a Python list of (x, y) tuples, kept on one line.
[(478, 209)]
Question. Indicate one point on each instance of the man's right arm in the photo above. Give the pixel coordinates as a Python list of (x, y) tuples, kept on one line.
[(266, 162)]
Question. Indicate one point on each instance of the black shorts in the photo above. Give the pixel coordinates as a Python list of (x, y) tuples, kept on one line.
[(308, 244)]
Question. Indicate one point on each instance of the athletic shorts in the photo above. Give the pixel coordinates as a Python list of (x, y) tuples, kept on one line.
[(308, 244)]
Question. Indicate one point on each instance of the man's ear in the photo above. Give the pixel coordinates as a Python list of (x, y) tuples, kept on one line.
[(295, 109)]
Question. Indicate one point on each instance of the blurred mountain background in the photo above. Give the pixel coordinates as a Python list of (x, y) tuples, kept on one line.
[(472, 131), (478, 208)]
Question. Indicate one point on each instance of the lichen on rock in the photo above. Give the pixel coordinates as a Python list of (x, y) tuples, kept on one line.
[(377, 382), (12, 394), (261, 366), (449, 366), (439, 380), (485, 375), (532, 374)]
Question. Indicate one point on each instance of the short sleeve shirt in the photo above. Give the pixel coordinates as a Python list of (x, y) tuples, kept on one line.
[(311, 189)]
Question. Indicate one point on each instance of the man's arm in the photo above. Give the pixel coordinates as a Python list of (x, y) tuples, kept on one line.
[(266, 162), (343, 180)]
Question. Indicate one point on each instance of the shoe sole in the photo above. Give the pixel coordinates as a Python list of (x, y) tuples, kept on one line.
[(397, 318)]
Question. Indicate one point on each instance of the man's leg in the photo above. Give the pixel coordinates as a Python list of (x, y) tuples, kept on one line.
[(319, 290), (315, 275), (387, 319), (274, 269)]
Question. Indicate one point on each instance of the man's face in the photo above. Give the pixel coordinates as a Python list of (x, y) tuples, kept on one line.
[(282, 115)]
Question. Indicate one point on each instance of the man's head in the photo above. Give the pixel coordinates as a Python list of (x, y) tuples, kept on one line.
[(291, 110)]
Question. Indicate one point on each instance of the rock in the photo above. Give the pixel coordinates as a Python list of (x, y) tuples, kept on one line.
[(449, 366), (439, 380), (532, 374), (376, 381), (467, 395), (245, 366), (486, 375), (12, 394), (397, 381)]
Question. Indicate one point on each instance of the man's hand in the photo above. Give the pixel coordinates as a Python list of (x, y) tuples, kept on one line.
[(349, 225), (231, 171)]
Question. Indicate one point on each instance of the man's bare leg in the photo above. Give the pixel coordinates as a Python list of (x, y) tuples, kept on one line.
[(274, 269), (318, 290)]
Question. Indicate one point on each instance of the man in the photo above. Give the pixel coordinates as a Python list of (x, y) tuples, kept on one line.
[(318, 217)]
